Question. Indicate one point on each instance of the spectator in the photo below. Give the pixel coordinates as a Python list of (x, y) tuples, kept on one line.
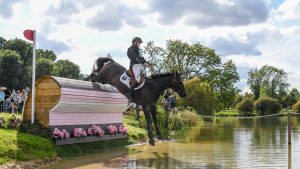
[(27, 90), (2, 96), (20, 100), (12, 106), (165, 102), (172, 100), (13, 95)]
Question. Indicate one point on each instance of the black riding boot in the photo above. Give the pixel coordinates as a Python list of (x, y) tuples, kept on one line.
[(133, 85)]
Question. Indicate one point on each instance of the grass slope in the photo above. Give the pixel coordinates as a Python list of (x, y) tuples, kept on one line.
[(17, 146)]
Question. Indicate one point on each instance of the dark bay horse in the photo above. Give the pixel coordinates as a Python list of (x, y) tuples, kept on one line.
[(108, 71)]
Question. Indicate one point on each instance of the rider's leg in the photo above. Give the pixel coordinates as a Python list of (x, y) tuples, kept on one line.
[(137, 70)]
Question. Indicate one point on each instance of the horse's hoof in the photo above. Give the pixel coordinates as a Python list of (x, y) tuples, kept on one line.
[(152, 142)]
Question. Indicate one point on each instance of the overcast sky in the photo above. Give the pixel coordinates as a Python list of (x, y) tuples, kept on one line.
[(251, 32)]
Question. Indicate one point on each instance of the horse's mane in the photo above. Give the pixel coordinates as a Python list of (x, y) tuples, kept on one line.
[(155, 76)]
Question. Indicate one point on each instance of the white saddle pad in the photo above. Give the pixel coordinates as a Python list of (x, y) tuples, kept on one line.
[(125, 79)]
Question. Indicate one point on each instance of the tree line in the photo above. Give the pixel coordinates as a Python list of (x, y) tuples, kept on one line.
[(16, 64), (270, 92)]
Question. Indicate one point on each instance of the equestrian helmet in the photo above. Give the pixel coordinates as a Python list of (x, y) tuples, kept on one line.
[(137, 40)]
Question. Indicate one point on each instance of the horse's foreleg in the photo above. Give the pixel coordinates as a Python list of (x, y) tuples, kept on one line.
[(147, 110), (154, 117)]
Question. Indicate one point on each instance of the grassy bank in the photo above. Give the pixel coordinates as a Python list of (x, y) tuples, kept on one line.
[(230, 112), (17, 146)]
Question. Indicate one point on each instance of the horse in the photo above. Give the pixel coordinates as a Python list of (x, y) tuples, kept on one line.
[(107, 71)]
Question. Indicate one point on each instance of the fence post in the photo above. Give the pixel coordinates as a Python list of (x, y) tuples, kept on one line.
[(289, 128)]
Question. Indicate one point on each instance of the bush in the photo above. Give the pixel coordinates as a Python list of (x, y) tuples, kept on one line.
[(245, 107), (296, 107), (35, 129), (199, 96), (2, 121), (267, 105)]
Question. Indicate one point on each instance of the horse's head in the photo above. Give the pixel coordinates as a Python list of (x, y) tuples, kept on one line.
[(177, 84)]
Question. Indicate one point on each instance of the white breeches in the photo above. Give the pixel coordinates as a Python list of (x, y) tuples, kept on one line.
[(137, 71)]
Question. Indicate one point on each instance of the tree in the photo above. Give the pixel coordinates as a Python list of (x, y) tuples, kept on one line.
[(268, 81), (48, 54), (43, 67), (296, 107), (2, 42), (245, 106), (24, 50), (199, 96), (266, 105), (225, 86), (191, 60), (10, 69), (196, 60), (66, 68), (238, 98), (290, 99)]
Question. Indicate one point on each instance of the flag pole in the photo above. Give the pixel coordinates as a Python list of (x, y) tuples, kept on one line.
[(33, 78)]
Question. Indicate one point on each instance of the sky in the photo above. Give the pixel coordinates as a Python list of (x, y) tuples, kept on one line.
[(252, 33)]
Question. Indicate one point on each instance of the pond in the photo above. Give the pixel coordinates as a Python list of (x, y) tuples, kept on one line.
[(220, 143)]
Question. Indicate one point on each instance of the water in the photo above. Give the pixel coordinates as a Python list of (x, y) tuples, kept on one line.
[(223, 143)]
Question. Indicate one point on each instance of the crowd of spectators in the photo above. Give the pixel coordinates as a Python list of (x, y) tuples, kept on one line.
[(14, 101)]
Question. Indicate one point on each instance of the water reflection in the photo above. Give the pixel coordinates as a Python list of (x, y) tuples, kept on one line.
[(221, 143)]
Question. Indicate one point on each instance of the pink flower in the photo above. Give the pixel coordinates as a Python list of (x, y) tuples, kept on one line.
[(56, 134), (66, 133), (95, 130), (112, 129), (122, 129), (79, 132), (83, 133)]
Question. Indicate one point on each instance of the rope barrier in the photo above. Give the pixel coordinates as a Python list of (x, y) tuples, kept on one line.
[(271, 115)]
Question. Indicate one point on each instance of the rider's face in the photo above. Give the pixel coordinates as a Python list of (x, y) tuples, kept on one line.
[(138, 44)]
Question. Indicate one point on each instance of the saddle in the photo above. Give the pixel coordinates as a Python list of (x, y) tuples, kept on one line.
[(128, 78)]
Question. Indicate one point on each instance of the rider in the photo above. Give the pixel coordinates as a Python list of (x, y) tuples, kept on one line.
[(137, 61)]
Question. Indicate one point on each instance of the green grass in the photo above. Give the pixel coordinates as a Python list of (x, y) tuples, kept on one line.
[(136, 133), (18, 146), (225, 113)]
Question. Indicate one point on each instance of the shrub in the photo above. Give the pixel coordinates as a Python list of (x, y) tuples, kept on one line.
[(35, 129), (1, 122), (245, 107), (267, 105), (14, 122), (199, 96), (296, 107)]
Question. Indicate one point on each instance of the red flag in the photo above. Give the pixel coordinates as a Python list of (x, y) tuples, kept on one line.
[(28, 34)]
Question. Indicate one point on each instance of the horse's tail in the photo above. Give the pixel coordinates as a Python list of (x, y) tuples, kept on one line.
[(101, 61)]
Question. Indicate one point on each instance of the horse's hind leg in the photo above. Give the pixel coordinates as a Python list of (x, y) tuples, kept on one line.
[(154, 117), (147, 110), (137, 112)]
